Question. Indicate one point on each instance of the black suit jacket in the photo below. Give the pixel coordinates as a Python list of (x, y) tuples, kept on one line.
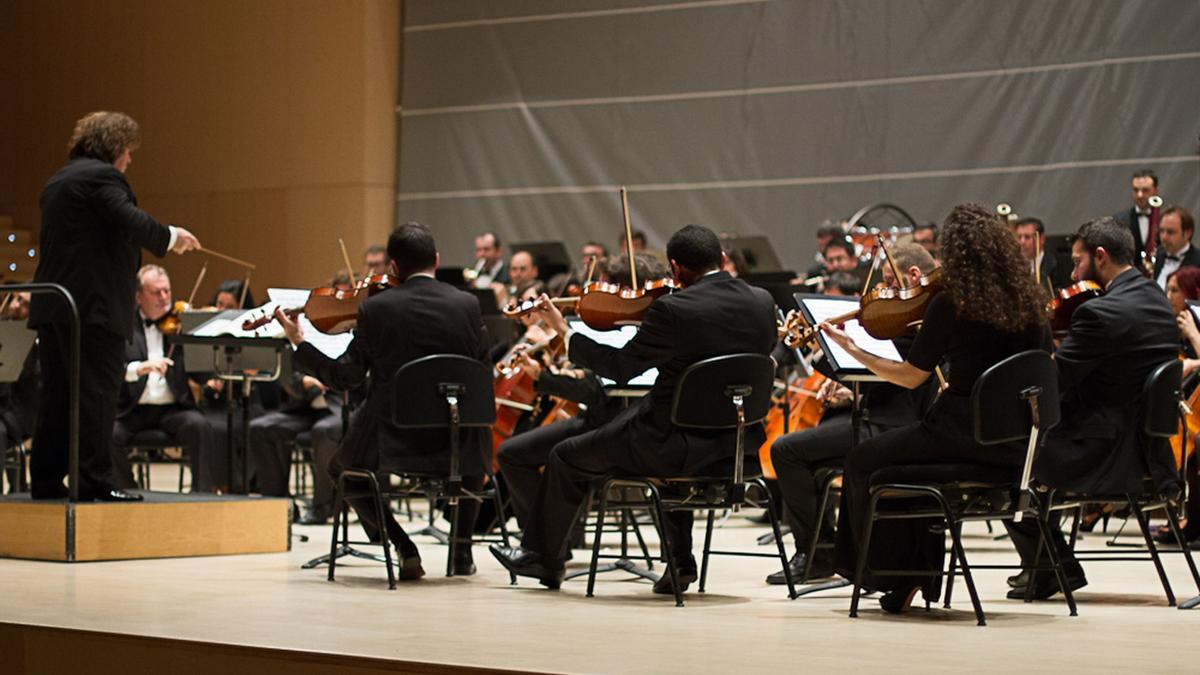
[(717, 315), (1115, 342), (1129, 219), (418, 318), (1190, 259), (91, 240), (135, 350)]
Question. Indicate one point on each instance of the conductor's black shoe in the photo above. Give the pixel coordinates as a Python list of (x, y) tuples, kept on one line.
[(525, 563), (686, 571), (821, 569), (117, 495), (1046, 586)]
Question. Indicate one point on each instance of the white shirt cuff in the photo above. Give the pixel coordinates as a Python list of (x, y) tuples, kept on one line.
[(131, 374), (174, 235)]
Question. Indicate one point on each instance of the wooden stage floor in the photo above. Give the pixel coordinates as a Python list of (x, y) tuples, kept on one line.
[(236, 612)]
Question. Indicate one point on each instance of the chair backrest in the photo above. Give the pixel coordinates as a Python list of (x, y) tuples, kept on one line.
[(1160, 400), (1000, 397), (420, 387), (703, 395)]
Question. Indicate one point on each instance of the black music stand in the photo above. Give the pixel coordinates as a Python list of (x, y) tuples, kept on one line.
[(15, 342), (844, 369), (237, 359)]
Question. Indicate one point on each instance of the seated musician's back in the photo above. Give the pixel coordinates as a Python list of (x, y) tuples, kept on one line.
[(418, 318)]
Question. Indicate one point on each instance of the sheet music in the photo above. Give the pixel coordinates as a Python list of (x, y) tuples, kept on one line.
[(615, 338), (827, 308), (332, 346), (233, 326)]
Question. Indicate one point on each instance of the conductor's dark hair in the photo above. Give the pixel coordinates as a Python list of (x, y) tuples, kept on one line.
[(1115, 238), (1036, 222), (412, 248), (695, 247), (1146, 173)]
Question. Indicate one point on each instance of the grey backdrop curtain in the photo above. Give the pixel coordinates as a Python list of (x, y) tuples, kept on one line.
[(767, 116)]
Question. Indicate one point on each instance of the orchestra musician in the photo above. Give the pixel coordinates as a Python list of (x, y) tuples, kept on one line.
[(524, 456), (91, 238), (1182, 286), (375, 260), (795, 455), (1175, 229), (1138, 218), (990, 309), (1115, 342), (1031, 237), (436, 318), (714, 314), (19, 399), (490, 267), (156, 394)]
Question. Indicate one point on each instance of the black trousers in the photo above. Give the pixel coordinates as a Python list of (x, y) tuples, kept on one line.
[(468, 512), (271, 438), (101, 370), (326, 436), (902, 544), (1025, 536), (796, 457), (578, 462), (522, 458), (187, 426)]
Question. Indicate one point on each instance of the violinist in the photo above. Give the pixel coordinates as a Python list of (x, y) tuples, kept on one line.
[(1182, 286), (156, 395), (523, 457), (1114, 343), (714, 314), (523, 273), (375, 260), (436, 318), (886, 406), (92, 235), (990, 309), (1175, 229)]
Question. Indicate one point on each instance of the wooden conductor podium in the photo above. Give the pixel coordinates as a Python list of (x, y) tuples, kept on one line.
[(165, 525)]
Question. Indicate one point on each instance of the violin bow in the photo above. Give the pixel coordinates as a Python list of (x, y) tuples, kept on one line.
[(196, 286), (871, 270), (346, 259), (245, 290), (628, 237)]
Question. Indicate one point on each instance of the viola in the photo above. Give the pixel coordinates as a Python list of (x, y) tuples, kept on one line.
[(796, 408), (1062, 307), (331, 310), (1190, 427)]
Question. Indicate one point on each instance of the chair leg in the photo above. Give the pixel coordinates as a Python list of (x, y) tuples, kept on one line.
[(1173, 523), (666, 544), (864, 549), (341, 513), (773, 517), (955, 530), (708, 530), (814, 537), (950, 574), (596, 539), (1060, 572), (637, 534), (454, 533), (380, 510), (1149, 537), (502, 521)]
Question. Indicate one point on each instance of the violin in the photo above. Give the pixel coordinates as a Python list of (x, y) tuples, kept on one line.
[(331, 310), (603, 305), (1062, 306), (886, 313), (168, 323)]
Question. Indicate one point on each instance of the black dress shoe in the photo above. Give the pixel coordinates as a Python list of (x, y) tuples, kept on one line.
[(686, 576), (313, 518), (898, 602), (464, 565), (410, 567), (525, 563), (117, 495), (1019, 580), (1047, 585), (821, 569)]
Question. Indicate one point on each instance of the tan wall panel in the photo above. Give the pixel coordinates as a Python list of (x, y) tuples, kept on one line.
[(267, 125)]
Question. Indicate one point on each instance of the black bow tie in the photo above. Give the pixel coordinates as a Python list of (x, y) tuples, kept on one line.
[(149, 322), (1175, 258)]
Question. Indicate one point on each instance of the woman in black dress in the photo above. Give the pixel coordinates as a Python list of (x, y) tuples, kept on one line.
[(989, 310)]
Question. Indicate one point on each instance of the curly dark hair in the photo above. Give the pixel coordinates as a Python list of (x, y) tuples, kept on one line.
[(104, 135), (985, 274)]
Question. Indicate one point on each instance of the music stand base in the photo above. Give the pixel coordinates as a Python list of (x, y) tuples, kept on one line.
[(1190, 604), (827, 586), (342, 552), (618, 565)]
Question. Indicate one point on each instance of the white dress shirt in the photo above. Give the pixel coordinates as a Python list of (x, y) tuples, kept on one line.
[(157, 392), (1144, 227), (1171, 263)]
